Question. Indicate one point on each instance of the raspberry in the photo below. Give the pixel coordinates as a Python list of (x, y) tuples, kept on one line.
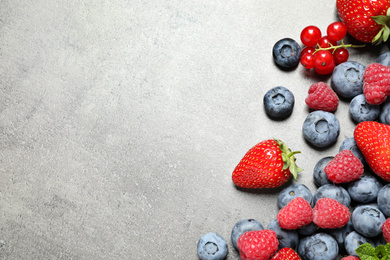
[(258, 245), (386, 230), (297, 213), (329, 213), (322, 97), (286, 253), (376, 83), (345, 167), (350, 257)]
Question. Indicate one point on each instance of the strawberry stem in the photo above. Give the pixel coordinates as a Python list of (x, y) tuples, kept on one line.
[(289, 159), (335, 47)]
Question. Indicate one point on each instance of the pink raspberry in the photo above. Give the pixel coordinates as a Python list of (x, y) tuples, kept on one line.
[(297, 213), (386, 230), (376, 83), (345, 167), (322, 97), (350, 257), (329, 213), (258, 245)]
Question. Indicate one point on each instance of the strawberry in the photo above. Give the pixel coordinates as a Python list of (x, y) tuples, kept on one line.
[(373, 139), (268, 164), (376, 83), (365, 20), (286, 253)]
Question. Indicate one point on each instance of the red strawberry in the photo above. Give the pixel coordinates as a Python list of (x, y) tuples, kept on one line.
[(329, 213), (365, 19), (286, 253), (297, 213), (373, 139), (345, 167), (376, 83), (386, 230), (322, 97), (258, 245), (268, 164)]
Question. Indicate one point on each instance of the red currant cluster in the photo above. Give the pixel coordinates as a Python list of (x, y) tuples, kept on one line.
[(322, 52)]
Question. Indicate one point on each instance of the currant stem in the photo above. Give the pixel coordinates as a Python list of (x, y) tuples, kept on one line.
[(334, 48)]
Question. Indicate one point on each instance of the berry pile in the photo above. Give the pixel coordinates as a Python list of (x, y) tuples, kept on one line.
[(349, 214)]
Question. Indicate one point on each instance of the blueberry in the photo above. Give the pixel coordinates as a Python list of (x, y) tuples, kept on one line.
[(350, 144), (384, 59), (353, 241), (347, 79), (384, 116), (368, 220), (365, 189), (341, 233), (361, 111), (384, 200), (308, 230), (320, 246), (293, 191), (287, 238), (321, 128), (332, 191), (319, 175), (279, 102), (212, 246), (243, 226), (287, 53)]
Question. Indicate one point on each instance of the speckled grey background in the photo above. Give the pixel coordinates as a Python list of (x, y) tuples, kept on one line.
[(121, 121)]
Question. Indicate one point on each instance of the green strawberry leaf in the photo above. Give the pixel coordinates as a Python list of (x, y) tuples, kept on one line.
[(368, 252), (386, 33), (289, 159)]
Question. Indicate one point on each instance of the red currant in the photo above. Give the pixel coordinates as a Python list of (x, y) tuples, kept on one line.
[(336, 31), (340, 55), (310, 35), (325, 42), (307, 60), (323, 62), (310, 50)]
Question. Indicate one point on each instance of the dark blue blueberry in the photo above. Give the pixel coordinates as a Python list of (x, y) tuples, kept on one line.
[(319, 175), (341, 233), (321, 128), (308, 230), (353, 241), (368, 220), (287, 53), (361, 111), (384, 59), (287, 238), (384, 116), (365, 189), (347, 79), (212, 246), (279, 102), (379, 240), (384, 200), (320, 246), (293, 191), (243, 226), (350, 144), (334, 192)]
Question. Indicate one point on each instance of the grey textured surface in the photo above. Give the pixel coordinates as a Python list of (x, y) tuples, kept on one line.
[(122, 121)]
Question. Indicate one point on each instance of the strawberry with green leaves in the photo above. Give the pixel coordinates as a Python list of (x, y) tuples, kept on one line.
[(366, 20), (269, 164), (373, 139)]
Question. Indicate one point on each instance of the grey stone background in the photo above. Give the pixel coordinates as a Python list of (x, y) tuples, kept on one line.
[(122, 121)]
